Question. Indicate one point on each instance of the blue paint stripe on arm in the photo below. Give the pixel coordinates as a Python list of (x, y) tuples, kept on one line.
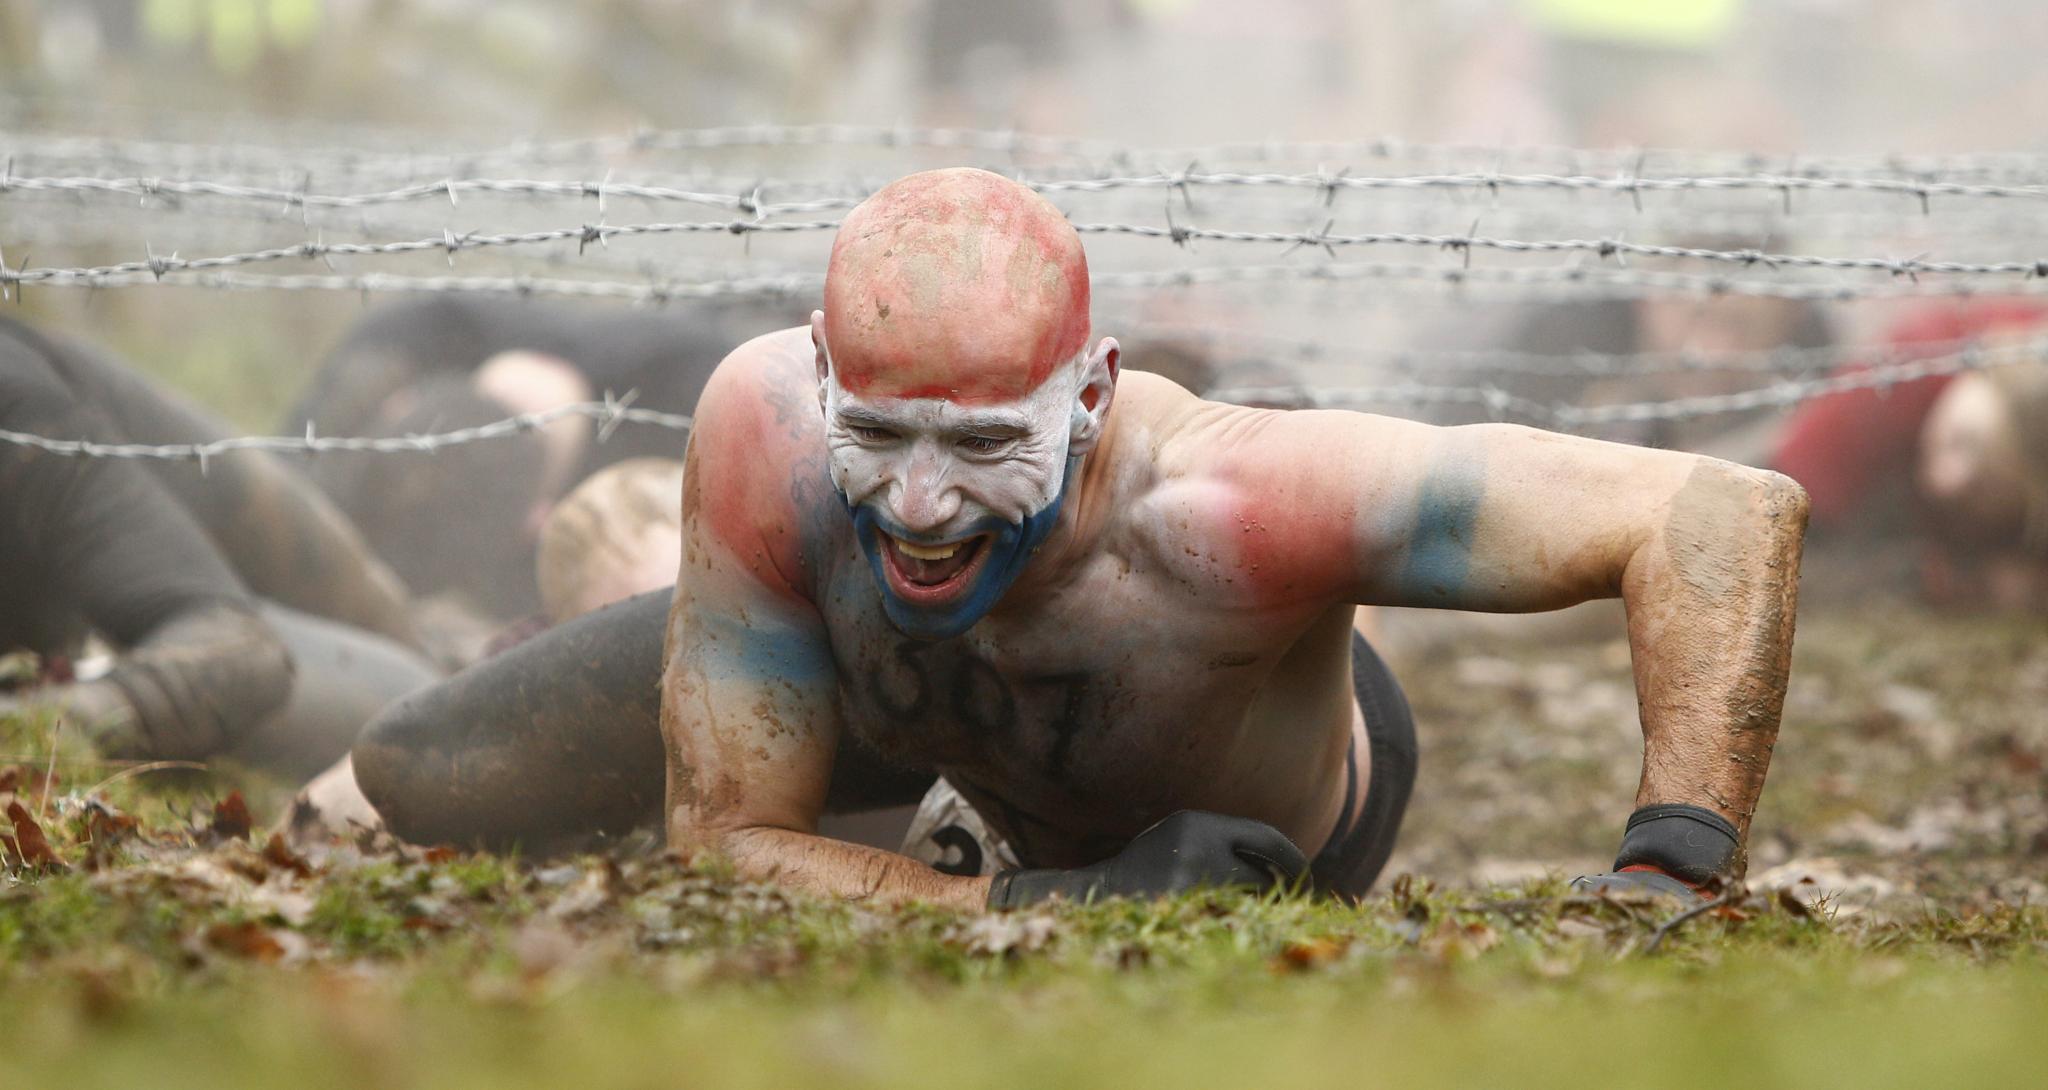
[(1439, 554), (736, 650)]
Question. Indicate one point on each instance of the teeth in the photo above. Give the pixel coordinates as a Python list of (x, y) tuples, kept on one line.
[(921, 552)]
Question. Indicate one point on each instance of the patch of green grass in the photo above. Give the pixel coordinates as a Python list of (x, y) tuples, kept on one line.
[(1747, 1020), (178, 957)]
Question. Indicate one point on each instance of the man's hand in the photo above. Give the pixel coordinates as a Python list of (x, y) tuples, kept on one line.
[(1188, 850), (1703, 553)]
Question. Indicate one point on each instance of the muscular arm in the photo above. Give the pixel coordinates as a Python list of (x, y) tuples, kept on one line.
[(1703, 553), (749, 716)]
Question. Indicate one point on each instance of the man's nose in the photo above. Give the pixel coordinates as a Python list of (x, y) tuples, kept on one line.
[(927, 499)]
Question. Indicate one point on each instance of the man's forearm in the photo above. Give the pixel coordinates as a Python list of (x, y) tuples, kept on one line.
[(854, 872), (1711, 600)]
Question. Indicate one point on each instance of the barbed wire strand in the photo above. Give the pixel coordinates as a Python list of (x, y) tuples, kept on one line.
[(608, 414), (1574, 417), (451, 243), (1014, 144), (1324, 182), (613, 412), (1541, 284), (224, 226), (1786, 361)]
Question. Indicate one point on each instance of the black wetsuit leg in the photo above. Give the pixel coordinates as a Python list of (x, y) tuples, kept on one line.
[(98, 543), (1351, 861), (283, 539), (555, 737), (342, 677)]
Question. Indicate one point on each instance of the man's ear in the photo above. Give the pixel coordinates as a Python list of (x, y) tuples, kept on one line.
[(1091, 403), (824, 362)]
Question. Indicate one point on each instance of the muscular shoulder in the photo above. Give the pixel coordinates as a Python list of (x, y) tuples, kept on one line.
[(1263, 505), (755, 484)]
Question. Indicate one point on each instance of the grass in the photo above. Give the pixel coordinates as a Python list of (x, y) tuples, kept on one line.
[(179, 949)]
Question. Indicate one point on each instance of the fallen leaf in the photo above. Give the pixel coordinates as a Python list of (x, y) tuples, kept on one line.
[(280, 855), (1301, 955), (1452, 940), (231, 820), (104, 824), (247, 939), (30, 847)]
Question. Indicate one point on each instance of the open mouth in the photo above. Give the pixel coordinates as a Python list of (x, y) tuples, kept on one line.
[(932, 574)]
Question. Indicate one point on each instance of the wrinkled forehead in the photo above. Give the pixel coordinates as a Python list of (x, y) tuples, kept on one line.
[(1036, 411), (959, 285)]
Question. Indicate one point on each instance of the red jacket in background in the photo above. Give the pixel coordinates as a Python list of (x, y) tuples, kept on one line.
[(1843, 447)]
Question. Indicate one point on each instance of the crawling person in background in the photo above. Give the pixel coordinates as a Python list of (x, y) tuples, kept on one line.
[(1556, 338), (940, 531), (1958, 463), (466, 520), (616, 535), (249, 619)]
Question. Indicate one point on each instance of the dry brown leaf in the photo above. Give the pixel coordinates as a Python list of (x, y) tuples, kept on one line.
[(231, 820), (30, 847), (280, 855), (247, 939), (1304, 954), (1451, 939)]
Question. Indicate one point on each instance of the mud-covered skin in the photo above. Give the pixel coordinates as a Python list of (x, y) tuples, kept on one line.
[(1181, 640)]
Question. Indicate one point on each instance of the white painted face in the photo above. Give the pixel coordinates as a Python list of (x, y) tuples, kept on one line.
[(938, 469), (950, 499)]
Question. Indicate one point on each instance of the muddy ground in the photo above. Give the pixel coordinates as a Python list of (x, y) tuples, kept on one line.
[(1908, 772)]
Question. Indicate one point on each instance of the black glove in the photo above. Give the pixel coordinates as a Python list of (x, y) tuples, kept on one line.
[(1187, 850), (1685, 844)]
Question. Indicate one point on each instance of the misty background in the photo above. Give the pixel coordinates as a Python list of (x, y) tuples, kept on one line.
[(255, 90)]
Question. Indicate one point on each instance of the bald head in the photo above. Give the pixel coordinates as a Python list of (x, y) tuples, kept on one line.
[(958, 284)]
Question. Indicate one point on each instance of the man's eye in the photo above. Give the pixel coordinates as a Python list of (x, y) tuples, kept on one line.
[(984, 444), (869, 434)]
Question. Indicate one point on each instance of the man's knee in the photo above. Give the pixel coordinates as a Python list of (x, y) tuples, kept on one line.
[(398, 769)]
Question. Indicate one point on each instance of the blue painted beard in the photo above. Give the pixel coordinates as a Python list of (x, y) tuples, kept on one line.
[(1009, 545)]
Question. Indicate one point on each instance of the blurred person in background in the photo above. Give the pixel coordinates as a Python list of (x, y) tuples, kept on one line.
[(246, 617), (1959, 462), (467, 519), (616, 535), (1555, 335)]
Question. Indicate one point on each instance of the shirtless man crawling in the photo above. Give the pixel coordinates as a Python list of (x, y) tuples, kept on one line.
[(939, 533), (1117, 618)]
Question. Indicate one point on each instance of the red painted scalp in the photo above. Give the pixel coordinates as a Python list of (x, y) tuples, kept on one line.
[(955, 283)]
